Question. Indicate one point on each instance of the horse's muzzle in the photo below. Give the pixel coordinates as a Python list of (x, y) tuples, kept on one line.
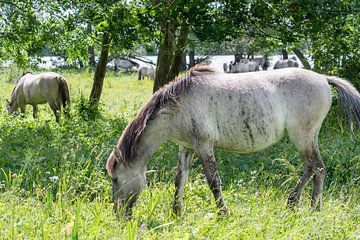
[(123, 207)]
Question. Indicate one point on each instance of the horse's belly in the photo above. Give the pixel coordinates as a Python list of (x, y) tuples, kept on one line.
[(249, 141), (250, 134)]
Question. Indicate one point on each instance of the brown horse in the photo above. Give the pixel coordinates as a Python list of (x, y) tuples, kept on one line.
[(34, 89), (244, 112)]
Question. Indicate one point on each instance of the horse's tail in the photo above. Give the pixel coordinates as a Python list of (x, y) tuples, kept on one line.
[(349, 98), (64, 94)]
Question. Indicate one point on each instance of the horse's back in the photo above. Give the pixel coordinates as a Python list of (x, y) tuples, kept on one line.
[(285, 63), (42, 88), (250, 111)]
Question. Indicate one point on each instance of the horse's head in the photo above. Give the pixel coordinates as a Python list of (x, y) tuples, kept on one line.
[(12, 105), (128, 180)]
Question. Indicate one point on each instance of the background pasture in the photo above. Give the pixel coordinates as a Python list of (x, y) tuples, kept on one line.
[(53, 183)]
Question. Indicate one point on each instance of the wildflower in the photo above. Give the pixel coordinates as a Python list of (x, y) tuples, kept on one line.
[(54, 179)]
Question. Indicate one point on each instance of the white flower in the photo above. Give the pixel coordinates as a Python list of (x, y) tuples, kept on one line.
[(54, 179)]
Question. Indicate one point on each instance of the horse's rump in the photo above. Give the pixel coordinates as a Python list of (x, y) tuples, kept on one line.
[(63, 91)]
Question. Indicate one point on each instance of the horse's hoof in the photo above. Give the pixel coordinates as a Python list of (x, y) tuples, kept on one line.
[(293, 199), (316, 207), (223, 211), (177, 209)]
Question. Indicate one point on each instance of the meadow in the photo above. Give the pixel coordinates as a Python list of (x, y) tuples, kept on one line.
[(53, 182)]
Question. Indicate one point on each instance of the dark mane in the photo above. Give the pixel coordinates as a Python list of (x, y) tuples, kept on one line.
[(170, 93), (24, 73)]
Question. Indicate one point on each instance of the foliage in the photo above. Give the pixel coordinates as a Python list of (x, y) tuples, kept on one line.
[(87, 110), (19, 29)]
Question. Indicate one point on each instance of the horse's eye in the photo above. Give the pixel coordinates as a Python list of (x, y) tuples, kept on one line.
[(114, 180)]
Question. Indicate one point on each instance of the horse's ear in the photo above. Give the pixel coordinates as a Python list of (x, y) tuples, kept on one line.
[(117, 154), (113, 160)]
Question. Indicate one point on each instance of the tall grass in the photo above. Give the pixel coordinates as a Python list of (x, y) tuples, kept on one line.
[(53, 183)]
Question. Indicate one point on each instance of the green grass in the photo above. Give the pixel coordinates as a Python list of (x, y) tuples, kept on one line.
[(53, 183)]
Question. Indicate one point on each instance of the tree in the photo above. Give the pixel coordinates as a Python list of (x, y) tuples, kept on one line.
[(25, 29), (119, 26), (175, 20)]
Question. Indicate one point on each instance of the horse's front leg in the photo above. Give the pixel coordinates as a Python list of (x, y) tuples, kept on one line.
[(22, 110), (185, 158), (206, 153), (35, 110)]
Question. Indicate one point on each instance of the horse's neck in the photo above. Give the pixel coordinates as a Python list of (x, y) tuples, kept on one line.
[(18, 94), (156, 133)]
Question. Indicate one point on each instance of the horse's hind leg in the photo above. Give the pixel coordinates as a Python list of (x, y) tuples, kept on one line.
[(307, 145), (35, 110), (56, 107), (185, 158), (206, 153), (318, 182)]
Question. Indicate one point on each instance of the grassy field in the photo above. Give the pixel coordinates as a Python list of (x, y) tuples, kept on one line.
[(53, 183)]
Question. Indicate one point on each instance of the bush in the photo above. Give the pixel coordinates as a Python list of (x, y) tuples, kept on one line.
[(87, 110)]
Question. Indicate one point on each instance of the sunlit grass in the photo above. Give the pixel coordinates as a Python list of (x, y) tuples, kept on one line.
[(53, 183)]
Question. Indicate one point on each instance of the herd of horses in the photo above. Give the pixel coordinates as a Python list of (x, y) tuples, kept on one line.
[(144, 71), (257, 64), (205, 109)]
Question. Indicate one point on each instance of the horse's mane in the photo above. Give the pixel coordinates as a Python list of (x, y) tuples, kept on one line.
[(24, 73), (169, 93)]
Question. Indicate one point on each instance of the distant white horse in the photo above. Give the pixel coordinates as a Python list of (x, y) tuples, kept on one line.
[(126, 64), (285, 63), (244, 112), (146, 71), (245, 65)]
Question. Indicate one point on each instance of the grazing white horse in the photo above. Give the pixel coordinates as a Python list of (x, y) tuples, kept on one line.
[(34, 89), (146, 71), (237, 112), (126, 64), (285, 63)]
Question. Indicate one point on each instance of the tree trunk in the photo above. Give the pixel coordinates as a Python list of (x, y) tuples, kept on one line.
[(179, 51), (238, 56), (284, 53), (165, 56), (183, 65), (302, 58), (191, 58), (100, 70), (91, 50), (81, 63)]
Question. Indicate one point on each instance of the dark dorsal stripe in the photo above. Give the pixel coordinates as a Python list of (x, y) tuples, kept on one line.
[(170, 93)]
